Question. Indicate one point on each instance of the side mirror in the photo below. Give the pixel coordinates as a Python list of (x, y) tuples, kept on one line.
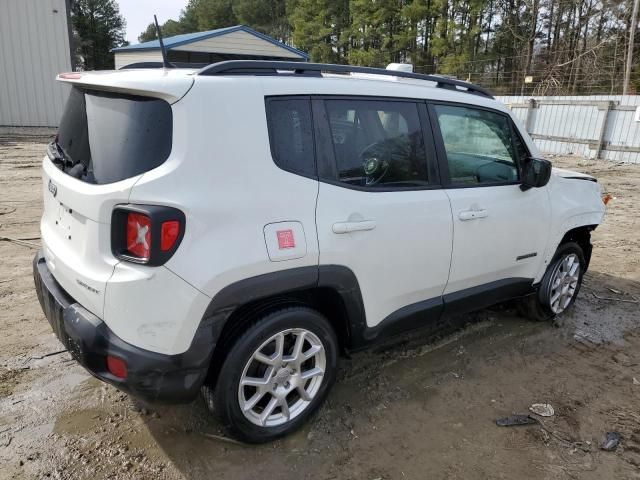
[(535, 173)]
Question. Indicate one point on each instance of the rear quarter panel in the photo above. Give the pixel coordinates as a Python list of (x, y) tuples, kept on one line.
[(222, 176)]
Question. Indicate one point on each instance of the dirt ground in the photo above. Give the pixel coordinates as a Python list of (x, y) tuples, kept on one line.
[(415, 408)]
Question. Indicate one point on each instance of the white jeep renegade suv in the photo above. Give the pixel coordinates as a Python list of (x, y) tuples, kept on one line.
[(232, 229)]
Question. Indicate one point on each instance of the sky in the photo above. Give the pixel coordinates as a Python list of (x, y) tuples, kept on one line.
[(139, 14)]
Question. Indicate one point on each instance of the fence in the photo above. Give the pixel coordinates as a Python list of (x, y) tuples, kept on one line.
[(598, 126)]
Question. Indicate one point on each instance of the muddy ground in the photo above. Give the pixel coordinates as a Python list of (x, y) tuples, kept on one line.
[(412, 409)]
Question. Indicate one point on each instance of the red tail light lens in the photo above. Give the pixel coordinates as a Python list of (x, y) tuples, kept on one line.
[(169, 233), (146, 234), (117, 367), (139, 235)]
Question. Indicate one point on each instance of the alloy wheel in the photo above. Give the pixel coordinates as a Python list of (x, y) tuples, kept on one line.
[(282, 377), (564, 283)]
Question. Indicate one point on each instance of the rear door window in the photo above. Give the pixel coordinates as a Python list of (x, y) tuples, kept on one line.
[(107, 137), (378, 143)]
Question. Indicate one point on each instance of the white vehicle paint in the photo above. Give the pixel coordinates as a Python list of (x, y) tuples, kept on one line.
[(261, 212)]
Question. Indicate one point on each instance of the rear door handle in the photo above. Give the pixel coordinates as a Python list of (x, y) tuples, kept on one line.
[(472, 214), (348, 227)]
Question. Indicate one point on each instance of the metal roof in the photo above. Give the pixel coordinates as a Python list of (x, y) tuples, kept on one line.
[(186, 38)]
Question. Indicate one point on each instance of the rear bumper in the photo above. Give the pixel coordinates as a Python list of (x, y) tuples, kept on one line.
[(151, 376)]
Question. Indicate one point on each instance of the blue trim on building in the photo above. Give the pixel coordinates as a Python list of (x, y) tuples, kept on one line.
[(186, 38)]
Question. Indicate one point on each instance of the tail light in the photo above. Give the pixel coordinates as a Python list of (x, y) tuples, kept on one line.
[(146, 234), (169, 233), (139, 235)]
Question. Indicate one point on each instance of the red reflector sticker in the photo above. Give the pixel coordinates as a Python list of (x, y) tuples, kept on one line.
[(285, 239), (116, 366)]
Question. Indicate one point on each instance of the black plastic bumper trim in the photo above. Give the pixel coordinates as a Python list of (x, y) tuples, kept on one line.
[(151, 376)]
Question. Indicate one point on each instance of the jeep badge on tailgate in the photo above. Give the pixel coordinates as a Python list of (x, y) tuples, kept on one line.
[(53, 189)]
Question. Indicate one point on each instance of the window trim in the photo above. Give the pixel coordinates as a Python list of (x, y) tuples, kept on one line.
[(515, 132), (441, 152), (272, 98), (325, 154)]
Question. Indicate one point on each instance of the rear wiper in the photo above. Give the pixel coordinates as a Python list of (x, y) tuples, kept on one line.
[(56, 154)]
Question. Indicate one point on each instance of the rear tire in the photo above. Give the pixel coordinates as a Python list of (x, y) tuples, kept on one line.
[(559, 287), (275, 375)]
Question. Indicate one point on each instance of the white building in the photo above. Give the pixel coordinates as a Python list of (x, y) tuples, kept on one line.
[(34, 48), (230, 43)]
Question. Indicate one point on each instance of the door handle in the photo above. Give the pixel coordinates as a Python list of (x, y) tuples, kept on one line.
[(348, 227), (473, 214)]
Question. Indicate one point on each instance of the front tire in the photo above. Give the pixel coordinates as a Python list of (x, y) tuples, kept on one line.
[(559, 286), (275, 375)]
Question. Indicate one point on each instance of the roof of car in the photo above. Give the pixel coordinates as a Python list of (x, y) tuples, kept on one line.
[(172, 83)]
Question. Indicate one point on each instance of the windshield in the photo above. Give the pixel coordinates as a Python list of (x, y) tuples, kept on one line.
[(106, 137)]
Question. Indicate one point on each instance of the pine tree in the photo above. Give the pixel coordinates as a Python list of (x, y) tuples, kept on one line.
[(98, 27)]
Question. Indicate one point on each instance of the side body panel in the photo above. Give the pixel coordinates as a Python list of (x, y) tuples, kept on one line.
[(403, 260), (500, 231), (508, 243)]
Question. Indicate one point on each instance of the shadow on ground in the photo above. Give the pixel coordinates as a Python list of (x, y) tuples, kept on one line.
[(415, 405)]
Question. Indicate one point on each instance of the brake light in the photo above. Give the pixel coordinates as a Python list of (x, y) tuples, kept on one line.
[(169, 233), (146, 234), (116, 367), (139, 235), (70, 76)]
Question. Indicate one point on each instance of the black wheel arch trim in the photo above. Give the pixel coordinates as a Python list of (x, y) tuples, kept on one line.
[(339, 278), (431, 313)]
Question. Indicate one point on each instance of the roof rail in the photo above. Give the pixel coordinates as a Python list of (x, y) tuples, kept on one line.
[(268, 67), (161, 65)]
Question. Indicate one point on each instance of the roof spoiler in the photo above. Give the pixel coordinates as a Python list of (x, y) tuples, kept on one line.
[(163, 84)]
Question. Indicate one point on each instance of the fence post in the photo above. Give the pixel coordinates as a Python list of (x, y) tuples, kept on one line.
[(606, 108), (529, 123)]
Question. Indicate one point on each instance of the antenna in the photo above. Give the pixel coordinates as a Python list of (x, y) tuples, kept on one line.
[(165, 60)]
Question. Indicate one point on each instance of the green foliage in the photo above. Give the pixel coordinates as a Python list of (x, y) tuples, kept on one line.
[(568, 46), (187, 23), (266, 16), (98, 27), (318, 27), (211, 14)]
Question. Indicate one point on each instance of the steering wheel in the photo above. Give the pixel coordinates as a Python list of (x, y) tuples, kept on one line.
[(375, 167)]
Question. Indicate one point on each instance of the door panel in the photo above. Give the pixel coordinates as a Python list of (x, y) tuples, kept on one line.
[(403, 255), (381, 211), (499, 231), (486, 248)]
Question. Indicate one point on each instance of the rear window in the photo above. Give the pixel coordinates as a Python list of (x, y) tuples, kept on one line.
[(107, 137)]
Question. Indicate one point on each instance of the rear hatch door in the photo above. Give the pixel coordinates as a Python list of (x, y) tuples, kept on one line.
[(111, 133)]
